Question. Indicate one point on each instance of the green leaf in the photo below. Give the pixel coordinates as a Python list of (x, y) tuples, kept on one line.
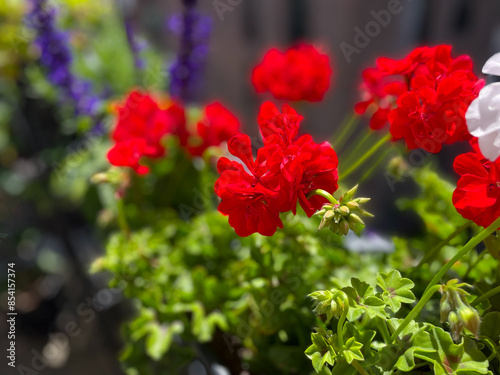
[(352, 351), (363, 300), (401, 355), (160, 338), (321, 351), (450, 358), (490, 326), (395, 289)]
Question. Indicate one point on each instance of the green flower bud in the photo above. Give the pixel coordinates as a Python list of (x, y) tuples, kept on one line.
[(344, 227), (320, 212), (456, 325), (362, 200), (445, 308), (344, 210), (348, 196), (470, 319), (352, 205), (356, 219)]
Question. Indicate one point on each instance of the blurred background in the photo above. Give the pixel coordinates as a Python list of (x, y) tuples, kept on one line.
[(52, 240)]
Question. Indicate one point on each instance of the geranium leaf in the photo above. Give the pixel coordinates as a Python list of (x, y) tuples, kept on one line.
[(395, 289)]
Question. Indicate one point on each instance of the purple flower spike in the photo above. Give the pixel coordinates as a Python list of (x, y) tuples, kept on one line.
[(186, 72), (56, 58)]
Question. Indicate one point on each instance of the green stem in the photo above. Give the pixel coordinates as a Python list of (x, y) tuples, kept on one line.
[(365, 156), (359, 144), (384, 331), (340, 328), (485, 296), (474, 241), (358, 367), (415, 311), (324, 194), (432, 287), (476, 262), (122, 220), (435, 250), (374, 167), (347, 127)]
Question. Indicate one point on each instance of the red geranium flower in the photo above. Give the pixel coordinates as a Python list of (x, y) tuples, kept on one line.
[(217, 125), (140, 128), (300, 73), (477, 196), (245, 193), (285, 171), (431, 110), (379, 95)]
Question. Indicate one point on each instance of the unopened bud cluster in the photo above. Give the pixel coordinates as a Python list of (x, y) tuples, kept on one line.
[(330, 303), (345, 215), (457, 311)]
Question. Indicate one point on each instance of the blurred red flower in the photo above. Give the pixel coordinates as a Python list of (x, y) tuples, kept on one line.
[(217, 125), (477, 196), (142, 123), (285, 171), (423, 96), (140, 128), (300, 73), (379, 93)]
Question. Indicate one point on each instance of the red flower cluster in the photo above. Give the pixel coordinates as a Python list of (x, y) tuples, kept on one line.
[(300, 73), (477, 196), (217, 125), (424, 97), (284, 171), (143, 122)]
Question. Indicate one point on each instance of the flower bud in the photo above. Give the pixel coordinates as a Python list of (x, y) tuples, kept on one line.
[(344, 210), (445, 308), (348, 196), (344, 227), (456, 326), (356, 219), (352, 205), (344, 216), (362, 200), (470, 319)]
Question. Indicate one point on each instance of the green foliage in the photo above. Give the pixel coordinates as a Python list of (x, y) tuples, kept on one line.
[(367, 334)]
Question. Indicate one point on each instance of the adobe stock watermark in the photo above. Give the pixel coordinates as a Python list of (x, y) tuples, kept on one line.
[(223, 6), (372, 29), (59, 341)]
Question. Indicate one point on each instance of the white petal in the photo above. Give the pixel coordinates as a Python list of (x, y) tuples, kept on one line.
[(492, 66), (484, 111), (489, 147)]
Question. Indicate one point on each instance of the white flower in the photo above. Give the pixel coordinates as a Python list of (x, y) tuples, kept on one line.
[(483, 115)]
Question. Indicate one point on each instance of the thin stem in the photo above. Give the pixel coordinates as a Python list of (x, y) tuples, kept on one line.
[(358, 367), (474, 241), (384, 331), (415, 311), (324, 194), (122, 220), (347, 127), (435, 250), (476, 262), (432, 287), (365, 156), (360, 143), (485, 296), (375, 166), (340, 328)]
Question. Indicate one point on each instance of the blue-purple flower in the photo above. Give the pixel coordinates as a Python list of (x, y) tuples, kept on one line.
[(186, 72), (56, 58)]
